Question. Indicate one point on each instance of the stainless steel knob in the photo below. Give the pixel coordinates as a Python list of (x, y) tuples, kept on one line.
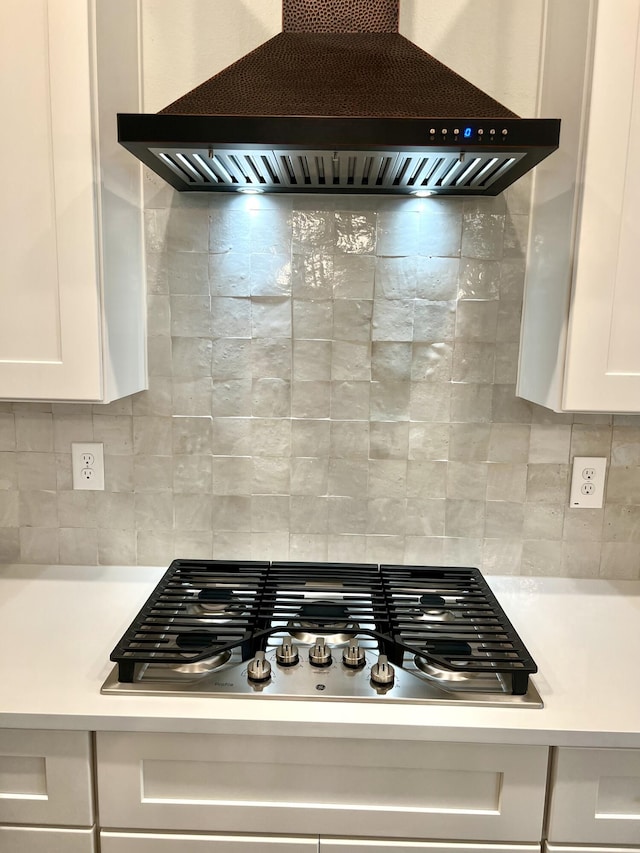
[(353, 655), (382, 672), (287, 653), (259, 668), (320, 654)]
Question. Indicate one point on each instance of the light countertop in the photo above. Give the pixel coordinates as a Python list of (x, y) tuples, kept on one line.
[(59, 624)]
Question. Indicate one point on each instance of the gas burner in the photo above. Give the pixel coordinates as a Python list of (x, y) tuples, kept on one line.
[(193, 641), (219, 602), (326, 619), (451, 648), (431, 608)]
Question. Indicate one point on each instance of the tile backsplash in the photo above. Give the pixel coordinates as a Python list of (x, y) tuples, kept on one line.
[(330, 378)]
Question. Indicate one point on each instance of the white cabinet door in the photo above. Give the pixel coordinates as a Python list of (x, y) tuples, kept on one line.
[(156, 842), (45, 778), (71, 279), (572, 848), (595, 797), (321, 786), (29, 839), (399, 845), (580, 348)]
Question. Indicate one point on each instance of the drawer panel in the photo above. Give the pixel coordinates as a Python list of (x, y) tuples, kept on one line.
[(156, 842), (400, 845), (595, 796), (45, 777), (321, 786), (23, 839)]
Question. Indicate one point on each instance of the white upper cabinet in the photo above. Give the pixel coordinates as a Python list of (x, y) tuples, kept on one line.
[(580, 348), (72, 324)]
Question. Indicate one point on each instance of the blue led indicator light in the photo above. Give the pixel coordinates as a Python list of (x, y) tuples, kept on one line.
[(467, 133)]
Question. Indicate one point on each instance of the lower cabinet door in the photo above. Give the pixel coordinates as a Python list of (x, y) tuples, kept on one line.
[(28, 839), (45, 778), (595, 797), (156, 842), (572, 848), (339, 787), (401, 845)]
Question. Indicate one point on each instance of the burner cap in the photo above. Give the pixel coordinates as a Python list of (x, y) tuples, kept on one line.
[(327, 619), (195, 640), (430, 599), (327, 614), (199, 641), (215, 595), (445, 646)]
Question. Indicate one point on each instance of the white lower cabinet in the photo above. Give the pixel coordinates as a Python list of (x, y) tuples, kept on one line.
[(31, 839), (399, 845), (338, 787), (46, 777), (156, 842), (595, 797), (570, 848)]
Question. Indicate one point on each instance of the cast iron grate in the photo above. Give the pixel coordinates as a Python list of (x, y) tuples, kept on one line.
[(212, 604), (450, 617), (446, 616)]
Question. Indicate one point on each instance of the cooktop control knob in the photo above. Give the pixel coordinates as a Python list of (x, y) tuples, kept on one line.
[(287, 653), (259, 668), (353, 655), (320, 654), (382, 672)]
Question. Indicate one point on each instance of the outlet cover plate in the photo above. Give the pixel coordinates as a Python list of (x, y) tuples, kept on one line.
[(587, 482), (87, 465)]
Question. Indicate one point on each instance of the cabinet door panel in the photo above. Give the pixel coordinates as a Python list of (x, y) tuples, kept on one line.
[(23, 839), (595, 797), (399, 845), (149, 842), (45, 778), (603, 355), (49, 325), (321, 786)]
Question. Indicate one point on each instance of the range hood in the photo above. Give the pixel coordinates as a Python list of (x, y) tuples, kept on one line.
[(339, 102)]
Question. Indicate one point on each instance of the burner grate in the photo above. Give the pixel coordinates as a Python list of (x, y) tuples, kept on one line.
[(199, 609), (450, 617), (447, 618)]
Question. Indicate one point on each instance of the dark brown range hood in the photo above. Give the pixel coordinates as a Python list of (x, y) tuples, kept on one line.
[(339, 102)]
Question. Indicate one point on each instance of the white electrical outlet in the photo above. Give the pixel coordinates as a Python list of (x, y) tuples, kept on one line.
[(87, 463), (587, 482)]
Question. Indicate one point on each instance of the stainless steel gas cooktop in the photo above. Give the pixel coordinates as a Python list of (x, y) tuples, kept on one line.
[(341, 632)]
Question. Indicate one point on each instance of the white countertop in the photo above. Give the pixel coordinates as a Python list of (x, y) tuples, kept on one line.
[(59, 624)]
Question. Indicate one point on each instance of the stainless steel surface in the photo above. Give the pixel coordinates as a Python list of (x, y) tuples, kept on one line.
[(303, 681)]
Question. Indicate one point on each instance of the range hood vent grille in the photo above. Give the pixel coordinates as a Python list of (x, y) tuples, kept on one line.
[(282, 170)]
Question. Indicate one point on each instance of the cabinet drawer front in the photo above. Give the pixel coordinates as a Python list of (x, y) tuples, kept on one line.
[(595, 797), (23, 839), (155, 842), (398, 845), (321, 786), (45, 777), (573, 848)]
